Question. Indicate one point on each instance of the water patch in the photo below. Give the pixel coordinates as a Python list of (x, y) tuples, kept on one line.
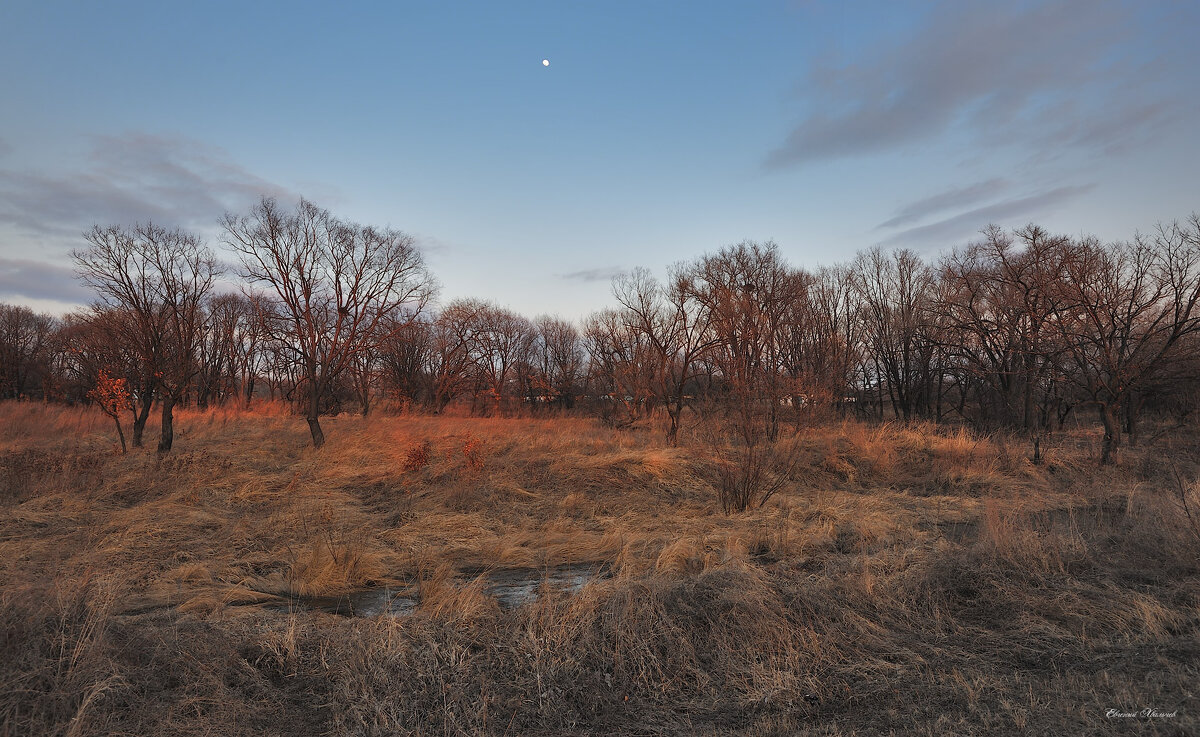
[(513, 587), (364, 603), (510, 587)]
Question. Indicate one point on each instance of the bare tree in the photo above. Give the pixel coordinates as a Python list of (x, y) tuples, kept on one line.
[(25, 346), (214, 380), (250, 335), (334, 282), (560, 359), (231, 354), (896, 290), (404, 360), (675, 326), (453, 356), (819, 341), (747, 291), (159, 278), (622, 365), (996, 298), (503, 340), (92, 341), (119, 267), (1125, 311), (834, 311)]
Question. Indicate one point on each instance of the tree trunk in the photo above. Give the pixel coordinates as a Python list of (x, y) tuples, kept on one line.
[(1132, 409), (1112, 434), (314, 426), (167, 439), (673, 428), (1064, 412), (941, 390), (1028, 408), (120, 434), (140, 417), (313, 417)]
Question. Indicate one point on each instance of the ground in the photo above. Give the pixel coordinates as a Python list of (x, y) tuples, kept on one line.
[(911, 580)]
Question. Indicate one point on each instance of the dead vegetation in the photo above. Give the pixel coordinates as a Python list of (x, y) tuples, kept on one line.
[(909, 579)]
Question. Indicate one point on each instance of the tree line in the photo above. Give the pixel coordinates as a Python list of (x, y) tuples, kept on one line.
[(1017, 330)]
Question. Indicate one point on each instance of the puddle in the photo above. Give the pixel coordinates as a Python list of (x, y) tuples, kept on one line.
[(365, 603), (511, 587)]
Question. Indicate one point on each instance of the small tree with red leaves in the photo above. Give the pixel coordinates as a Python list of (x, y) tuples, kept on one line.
[(113, 397)]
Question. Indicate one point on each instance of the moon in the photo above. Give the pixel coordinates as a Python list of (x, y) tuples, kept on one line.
[(545, 62)]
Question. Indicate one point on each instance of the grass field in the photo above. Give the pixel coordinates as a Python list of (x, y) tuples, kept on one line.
[(912, 580)]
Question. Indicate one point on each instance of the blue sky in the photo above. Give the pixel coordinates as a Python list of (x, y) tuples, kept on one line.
[(660, 131)]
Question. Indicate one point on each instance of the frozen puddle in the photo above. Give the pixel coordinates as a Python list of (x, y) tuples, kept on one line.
[(511, 587)]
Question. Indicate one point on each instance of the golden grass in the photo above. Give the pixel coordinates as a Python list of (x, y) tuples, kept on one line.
[(918, 575)]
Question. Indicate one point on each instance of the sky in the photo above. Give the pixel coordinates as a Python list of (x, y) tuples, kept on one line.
[(659, 131)]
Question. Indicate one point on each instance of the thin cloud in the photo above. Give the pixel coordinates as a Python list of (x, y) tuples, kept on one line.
[(22, 278), (1115, 132), (593, 275), (948, 200), (431, 244), (947, 232), (991, 70), (131, 178), (125, 179)]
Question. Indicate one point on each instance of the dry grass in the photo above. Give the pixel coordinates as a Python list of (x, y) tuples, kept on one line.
[(914, 580)]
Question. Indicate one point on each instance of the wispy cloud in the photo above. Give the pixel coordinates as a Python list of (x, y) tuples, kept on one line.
[(125, 179), (954, 229), (1041, 75), (948, 200), (22, 278), (134, 177), (430, 244), (591, 275)]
